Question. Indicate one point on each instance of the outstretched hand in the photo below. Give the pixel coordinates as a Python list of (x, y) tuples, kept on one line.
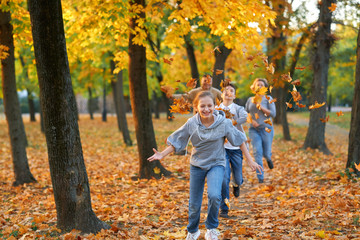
[(157, 156), (254, 166)]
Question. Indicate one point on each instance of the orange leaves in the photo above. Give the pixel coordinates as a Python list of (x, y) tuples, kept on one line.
[(316, 105), (340, 113), (268, 121), (270, 68), (180, 106), (156, 170), (324, 120), (169, 91), (191, 83), (332, 7), (296, 95), (216, 49), (218, 71), (168, 61), (300, 68), (227, 112), (286, 77), (357, 166)]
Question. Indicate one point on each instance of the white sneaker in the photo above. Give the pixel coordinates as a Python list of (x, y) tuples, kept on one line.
[(211, 234), (193, 236)]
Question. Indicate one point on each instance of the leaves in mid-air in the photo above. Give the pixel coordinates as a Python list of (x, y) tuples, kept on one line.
[(169, 91), (181, 106), (316, 105)]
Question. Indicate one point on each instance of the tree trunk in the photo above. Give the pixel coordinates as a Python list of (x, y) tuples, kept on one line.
[(31, 106), (155, 105), (192, 61), (42, 127), (354, 140), (29, 93), (277, 48), (90, 104), (315, 137), (140, 103), (11, 105), (220, 59), (115, 91), (104, 112), (67, 167), (118, 93)]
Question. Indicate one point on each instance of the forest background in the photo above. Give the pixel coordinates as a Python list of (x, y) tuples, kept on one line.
[(176, 42)]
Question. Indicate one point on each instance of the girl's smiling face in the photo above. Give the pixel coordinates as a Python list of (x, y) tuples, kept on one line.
[(260, 84), (206, 107)]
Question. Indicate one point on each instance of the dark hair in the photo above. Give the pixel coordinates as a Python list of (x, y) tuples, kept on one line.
[(202, 94), (206, 74), (231, 85), (253, 85)]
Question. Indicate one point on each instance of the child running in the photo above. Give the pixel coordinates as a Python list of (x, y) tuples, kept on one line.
[(234, 155), (207, 131)]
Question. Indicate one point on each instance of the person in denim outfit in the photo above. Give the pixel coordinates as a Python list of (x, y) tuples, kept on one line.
[(207, 131), (234, 156), (261, 131)]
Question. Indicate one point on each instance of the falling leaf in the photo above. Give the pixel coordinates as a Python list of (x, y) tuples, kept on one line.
[(181, 106), (325, 119), (256, 65), (218, 102), (250, 58), (357, 166), (191, 83), (249, 118), (300, 105), (224, 83), (296, 82), (296, 95), (256, 116), (218, 71), (267, 130), (168, 61), (267, 97), (289, 105), (227, 112), (270, 68), (226, 201), (300, 68), (273, 100), (156, 170), (268, 121), (286, 77), (340, 113), (216, 49), (270, 88), (316, 105), (169, 91), (171, 117), (260, 91), (332, 7)]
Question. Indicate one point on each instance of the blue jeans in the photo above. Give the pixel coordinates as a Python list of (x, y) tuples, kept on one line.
[(261, 142), (234, 157), (214, 177)]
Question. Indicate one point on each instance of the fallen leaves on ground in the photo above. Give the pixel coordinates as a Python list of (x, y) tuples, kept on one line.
[(306, 196)]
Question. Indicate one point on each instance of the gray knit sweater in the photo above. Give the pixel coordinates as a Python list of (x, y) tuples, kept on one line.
[(208, 142)]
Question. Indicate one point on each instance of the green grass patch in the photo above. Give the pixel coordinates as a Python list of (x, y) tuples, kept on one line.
[(341, 121)]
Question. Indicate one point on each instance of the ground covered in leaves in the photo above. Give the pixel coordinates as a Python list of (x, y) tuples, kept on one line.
[(306, 196)]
